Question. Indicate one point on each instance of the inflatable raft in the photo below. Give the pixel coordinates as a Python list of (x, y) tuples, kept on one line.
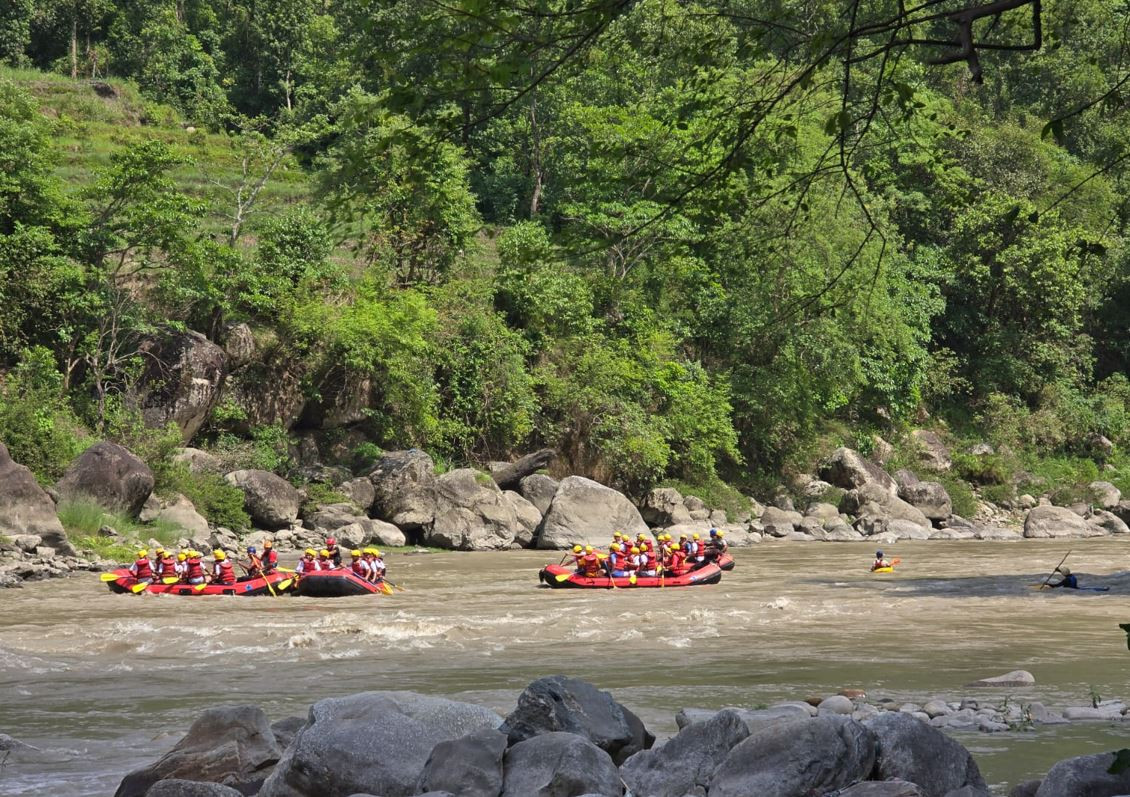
[(243, 586), (565, 576), (341, 583), (725, 562)]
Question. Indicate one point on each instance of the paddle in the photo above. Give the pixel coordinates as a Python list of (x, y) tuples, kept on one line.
[(402, 589), (611, 579), (284, 585), (385, 588), (138, 587), (199, 587), (560, 577), (170, 579), (109, 577), (270, 588), (1057, 567)]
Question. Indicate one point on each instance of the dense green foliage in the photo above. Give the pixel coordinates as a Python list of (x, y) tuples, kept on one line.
[(680, 252)]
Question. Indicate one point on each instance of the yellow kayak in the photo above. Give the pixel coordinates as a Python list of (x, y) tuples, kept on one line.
[(883, 570)]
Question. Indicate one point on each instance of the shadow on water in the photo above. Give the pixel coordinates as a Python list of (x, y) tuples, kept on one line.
[(989, 586)]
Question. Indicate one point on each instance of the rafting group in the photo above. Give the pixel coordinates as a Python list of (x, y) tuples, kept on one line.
[(319, 573), (643, 562)]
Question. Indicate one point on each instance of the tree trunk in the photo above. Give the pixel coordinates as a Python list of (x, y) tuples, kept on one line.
[(508, 476), (74, 46)]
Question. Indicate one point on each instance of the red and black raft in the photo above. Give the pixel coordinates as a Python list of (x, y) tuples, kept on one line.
[(340, 583), (259, 585), (725, 562), (564, 576)]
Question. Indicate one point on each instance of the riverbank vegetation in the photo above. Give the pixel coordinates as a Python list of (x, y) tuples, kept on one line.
[(679, 243)]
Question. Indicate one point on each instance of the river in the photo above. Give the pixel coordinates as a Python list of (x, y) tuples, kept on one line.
[(104, 683)]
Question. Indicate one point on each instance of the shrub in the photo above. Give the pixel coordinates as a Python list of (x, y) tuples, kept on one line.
[(83, 518), (998, 493), (982, 469), (364, 457), (319, 494), (716, 494), (961, 494), (219, 502)]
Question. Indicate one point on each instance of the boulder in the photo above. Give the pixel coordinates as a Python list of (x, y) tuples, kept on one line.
[(932, 452), (270, 500), (825, 513), (471, 514), (1009, 679), (1104, 494), (586, 512), (911, 750), (331, 517), (109, 474), (664, 507), (836, 704), (227, 744), (817, 489), (372, 742), (198, 461), (239, 345), (25, 509), (267, 392), (529, 518), (930, 498), (180, 381), (1109, 522), (359, 491), (1084, 776), (470, 766), (404, 483), (539, 490), (559, 765), (190, 788), (882, 788), (807, 756), (696, 508), (558, 703), (509, 475), (780, 522), (906, 530), (1053, 521), (286, 729), (847, 470), (905, 478), (181, 513), (754, 719), (685, 763), (366, 531)]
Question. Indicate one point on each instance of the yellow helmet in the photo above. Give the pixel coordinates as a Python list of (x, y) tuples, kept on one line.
[(588, 549), (614, 546), (354, 553), (641, 536), (181, 556), (160, 551), (218, 554), (616, 535), (310, 552), (635, 549), (577, 549), (376, 552), (721, 534), (695, 536), (142, 553), (324, 552)]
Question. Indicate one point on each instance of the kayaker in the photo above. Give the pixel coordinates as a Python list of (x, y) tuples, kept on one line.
[(222, 571), (193, 568), (254, 563), (879, 561), (1066, 578), (270, 559), (142, 569), (617, 561), (334, 551), (358, 565), (325, 560), (306, 564), (166, 564)]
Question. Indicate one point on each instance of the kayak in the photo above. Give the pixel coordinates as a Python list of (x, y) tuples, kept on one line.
[(242, 586), (883, 570), (725, 562), (340, 583), (707, 574)]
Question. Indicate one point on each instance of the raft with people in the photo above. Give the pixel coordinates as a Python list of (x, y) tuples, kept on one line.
[(559, 576), (276, 582), (643, 562)]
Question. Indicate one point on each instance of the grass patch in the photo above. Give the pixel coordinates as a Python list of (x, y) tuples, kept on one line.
[(716, 494), (219, 502), (82, 519), (106, 548), (319, 494)]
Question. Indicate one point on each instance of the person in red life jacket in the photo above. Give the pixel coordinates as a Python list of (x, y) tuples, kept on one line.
[(166, 565), (194, 568), (142, 569), (306, 564), (591, 562), (325, 561), (634, 559), (334, 551), (698, 550), (180, 567), (578, 558), (678, 561), (358, 565), (617, 561), (649, 562), (270, 559), (377, 563), (254, 563), (222, 571)]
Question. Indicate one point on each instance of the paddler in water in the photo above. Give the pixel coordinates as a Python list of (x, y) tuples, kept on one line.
[(142, 569), (879, 561), (1066, 579)]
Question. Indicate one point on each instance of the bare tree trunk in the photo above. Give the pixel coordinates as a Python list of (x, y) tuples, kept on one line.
[(535, 154), (74, 46)]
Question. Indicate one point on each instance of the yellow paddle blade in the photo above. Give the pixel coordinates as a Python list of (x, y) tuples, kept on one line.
[(632, 579), (286, 570), (138, 587), (284, 584), (562, 577), (170, 580), (109, 576), (386, 589), (199, 587)]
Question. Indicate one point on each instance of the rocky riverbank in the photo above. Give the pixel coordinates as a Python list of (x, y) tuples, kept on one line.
[(567, 738), (404, 500)]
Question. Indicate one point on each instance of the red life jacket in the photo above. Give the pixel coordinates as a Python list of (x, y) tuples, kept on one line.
[(194, 570), (617, 560), (677, 559), (270, 560), (649, 560), (592, 564), (325, 564), (144, 569), (167, 566), (359, 567), (226, 575)]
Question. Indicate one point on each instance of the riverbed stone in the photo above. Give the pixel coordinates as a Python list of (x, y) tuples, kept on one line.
[(110, 475), (404, 485), (226, 744), (836, 704), (270, 500), (1026, 789), (470, 766), (848, 470), (908, 530), (1109, 522), (913, 750), (1016, 678), (586, 512), (375, 742), (190, 788), (1104, 494), (1053, 521), (685, 763), (754, 719), (559, 703), (1084, 776), (539, 490), (882, 788), (780, 522), (805, 756), (559, 763), (997, 533), (930, 498), (936, 708)]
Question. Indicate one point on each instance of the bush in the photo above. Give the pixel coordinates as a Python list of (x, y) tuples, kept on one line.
[(983, 469), (716, 494), (219, 502), (83, 518), (961, 495), (319, 494), (998, 494)]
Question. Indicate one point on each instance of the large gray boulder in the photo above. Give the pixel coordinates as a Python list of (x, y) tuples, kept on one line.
[(1104, 494), (270, 500), (267, 392), (559, 765), (807, 756), (1084, 776), (471, 514), (181, 380), (372, 742), (780, 522), (190, 788), (360, 491), (909, 749), (181, 513), (873, 500), (233, 745), (586, 512), (930, 498), (932, 451), (664, 507), (529, 518), (470, 766), (685, 763), (539, 490), (198, 461), (558, 703), (25, 509), (110, 475), (1053, 521), (366, 531), (404, 483), (1108, 522), (847, 470)]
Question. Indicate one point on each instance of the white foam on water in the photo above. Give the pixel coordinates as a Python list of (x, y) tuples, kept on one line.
[(677, 642), (778, 603)]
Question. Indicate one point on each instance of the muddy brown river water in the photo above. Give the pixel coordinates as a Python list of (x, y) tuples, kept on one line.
[(103, 683)]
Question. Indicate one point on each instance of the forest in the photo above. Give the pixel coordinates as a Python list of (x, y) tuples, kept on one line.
[(679, 242)]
